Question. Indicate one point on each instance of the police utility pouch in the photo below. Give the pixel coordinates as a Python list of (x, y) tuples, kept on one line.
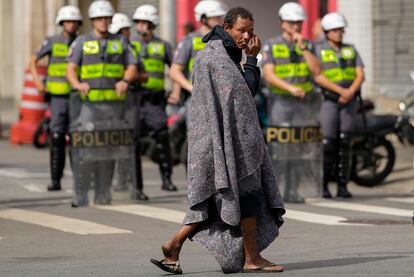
[(331, 96)]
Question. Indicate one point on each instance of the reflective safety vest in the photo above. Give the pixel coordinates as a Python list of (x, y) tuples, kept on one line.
[(153, 60), (291, 67), (198, 45), (102, 68), (340, 70), (56, 82)]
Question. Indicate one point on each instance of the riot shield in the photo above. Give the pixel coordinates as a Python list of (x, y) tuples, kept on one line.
[(295, 145), (101, 134)]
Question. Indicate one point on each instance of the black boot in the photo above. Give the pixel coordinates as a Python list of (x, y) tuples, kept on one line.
[(57, 160), (139, 186), (344, 164), (329, 161)]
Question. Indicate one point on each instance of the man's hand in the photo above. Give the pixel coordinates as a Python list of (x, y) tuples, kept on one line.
[(41, 88), (254, 46), (83, 88), (174, 97), (298, 92), (298, 38), (121, 87)]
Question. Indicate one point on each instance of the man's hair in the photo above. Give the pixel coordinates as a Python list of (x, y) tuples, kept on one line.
[(234, 13)]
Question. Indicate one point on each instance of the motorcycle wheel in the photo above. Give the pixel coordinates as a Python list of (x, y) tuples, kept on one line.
[(41, 135), (369, 169)]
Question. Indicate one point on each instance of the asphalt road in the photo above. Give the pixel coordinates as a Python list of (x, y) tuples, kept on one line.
[(41, 235)]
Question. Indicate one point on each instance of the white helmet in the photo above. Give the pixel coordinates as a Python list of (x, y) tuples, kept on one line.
[(68, 13), (333, 21), (292, 11), (209, 8), (146, 12), (100, 8), (119, 21)]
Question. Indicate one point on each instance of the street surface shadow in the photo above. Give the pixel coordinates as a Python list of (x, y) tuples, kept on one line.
[(337, 262), (396, 180)]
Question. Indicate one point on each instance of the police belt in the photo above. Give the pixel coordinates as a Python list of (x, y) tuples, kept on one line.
[(153, 97), (334, 97), (281, 134)]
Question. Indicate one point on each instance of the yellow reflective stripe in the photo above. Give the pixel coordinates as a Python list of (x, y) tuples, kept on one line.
[(190, 65), (307, 87), (328, 55), (59, 88), (113, 70), (99, 70), (292, 70), (154, 48), (338, 74), (198, 44), (349, 73), (91, 47), (56, 70), (95, 95), (154, 83), (334, 74), (280, 51), (153, 65), (137, 45), (114, 47), (60, 49), (348, 53)]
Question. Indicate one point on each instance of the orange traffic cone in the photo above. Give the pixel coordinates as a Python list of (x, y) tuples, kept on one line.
[(32, 110)]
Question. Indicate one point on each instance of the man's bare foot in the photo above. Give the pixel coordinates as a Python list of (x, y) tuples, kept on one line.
[(261, 264), (171, 251)]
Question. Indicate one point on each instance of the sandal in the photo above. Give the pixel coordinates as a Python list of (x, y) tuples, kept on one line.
[(174, 268), (265, 269)]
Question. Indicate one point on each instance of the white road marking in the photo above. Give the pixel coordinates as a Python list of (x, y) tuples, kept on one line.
[(318, 218), (147, 211), (364, 208), (409, 200), (61, 223), (34, 188), (19, 173), (177, 216)]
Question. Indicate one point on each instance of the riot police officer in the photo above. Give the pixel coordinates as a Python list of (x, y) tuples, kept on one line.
[(155, 54), (209, 13), (289, 65), (341, 64), (106, 66), (56, 48)]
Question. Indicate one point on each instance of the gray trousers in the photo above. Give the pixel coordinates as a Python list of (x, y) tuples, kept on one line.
[(337, 118), (59, 107)]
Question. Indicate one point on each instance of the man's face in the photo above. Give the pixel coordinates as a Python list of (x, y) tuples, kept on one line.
[(70, 26), (101, 24), (292, 27), (125, 33), (241, 32), (215, 20), (143, 26), (336, 35)]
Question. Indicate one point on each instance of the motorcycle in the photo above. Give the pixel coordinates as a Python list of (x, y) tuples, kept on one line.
[(374, 155)]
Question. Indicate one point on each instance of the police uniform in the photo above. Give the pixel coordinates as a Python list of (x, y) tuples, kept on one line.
[(184, 55), (287, 111), (337, 120), (155, 54), (101, 62), (56, 48)]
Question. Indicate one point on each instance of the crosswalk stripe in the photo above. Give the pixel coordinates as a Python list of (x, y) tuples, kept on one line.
[(34, 188), (409, 200), (364, 208), (61, 223), (177, 216), (147, 211), (319, 218)]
